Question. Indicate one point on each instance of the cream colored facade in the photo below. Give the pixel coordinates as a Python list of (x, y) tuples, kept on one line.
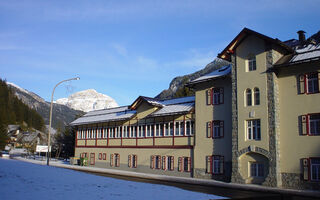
[(160, 144), (256, 121), (268, 147)]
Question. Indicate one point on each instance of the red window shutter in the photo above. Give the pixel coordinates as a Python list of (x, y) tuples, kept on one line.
[(305, 169), (208, 97), (180, 168), (164, 163), (209, 164), (152, 164), (221, 129), (308, 124), (172, 163), (189, 164), (221, 100), (135, 161), (129, 161), (111, 160), (209, 129)]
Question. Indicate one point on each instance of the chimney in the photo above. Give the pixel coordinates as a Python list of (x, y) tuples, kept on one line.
[(302, 37)]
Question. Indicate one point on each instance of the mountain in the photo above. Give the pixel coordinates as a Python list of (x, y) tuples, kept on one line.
[(62, 115), (88, 100), (177, 88)]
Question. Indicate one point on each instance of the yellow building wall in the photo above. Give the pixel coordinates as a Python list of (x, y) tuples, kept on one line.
[(293, 146), (252, 45), (204, 113)]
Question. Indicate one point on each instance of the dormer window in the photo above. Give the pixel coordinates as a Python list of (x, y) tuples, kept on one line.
[(251, 63)]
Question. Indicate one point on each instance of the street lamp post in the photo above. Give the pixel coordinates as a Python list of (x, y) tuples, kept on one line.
[(50, 117)]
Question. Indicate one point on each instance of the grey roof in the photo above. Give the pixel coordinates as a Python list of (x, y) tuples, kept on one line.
[(178, 100), (167, 107), (306, 53), (111, 116), (173, 109), (221, 72), (107, 111)]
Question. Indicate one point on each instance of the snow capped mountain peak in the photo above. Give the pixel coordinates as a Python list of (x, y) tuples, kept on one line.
[(88, 100)]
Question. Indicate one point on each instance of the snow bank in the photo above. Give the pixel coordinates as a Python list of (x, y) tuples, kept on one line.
[(21, 180)]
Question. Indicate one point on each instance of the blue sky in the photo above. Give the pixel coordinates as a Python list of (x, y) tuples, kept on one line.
[(129, 48)]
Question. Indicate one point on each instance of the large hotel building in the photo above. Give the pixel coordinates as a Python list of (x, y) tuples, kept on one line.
[(255, 121)]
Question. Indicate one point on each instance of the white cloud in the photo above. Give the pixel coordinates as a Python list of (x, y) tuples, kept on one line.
[(120, 49)]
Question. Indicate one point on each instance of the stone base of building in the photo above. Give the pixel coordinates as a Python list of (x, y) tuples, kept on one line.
[(201, 173), (295, 181)]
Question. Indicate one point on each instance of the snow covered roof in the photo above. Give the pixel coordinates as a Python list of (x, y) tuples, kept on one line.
[(107, 111), (167, 107), (174, 109), (223, 71), (306, 53), (104, 116)]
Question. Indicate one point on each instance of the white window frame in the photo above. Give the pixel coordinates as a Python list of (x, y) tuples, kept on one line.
[(315, 169), (253, 129), (251, 64), (312, 83)]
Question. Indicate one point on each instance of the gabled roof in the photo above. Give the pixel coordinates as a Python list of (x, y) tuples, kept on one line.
[(221, 72), (149, 100), (173, 109), (225, 54)]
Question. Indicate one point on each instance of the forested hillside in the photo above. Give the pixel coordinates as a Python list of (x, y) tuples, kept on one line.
[(13, 111)]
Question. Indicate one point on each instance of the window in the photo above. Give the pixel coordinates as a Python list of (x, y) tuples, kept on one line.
[(310, 124), (171, 128), (104, 156), (157, 130), (256, 169), (184, 164), (169, 163), (215, 164), (309, 83), (155, 162), (189, 128), (100, 156), (215, 129), (256, 96), (93, 133), (315, 169), (115, 160), (248, 97), (92, 158), (253, 129), (88, 133), (132, 161), (251, 63), (78, 134), (215, 96)]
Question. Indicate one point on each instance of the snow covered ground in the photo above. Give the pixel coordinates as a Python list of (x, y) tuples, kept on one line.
[(22, 180)]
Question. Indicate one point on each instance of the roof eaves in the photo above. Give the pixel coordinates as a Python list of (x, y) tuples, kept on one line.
[(225, 54)]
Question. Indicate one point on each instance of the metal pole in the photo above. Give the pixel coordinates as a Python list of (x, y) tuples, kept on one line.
[(50, 117)]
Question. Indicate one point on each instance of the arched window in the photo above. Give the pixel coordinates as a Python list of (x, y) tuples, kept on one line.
[(249, 97), (256, 96)]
